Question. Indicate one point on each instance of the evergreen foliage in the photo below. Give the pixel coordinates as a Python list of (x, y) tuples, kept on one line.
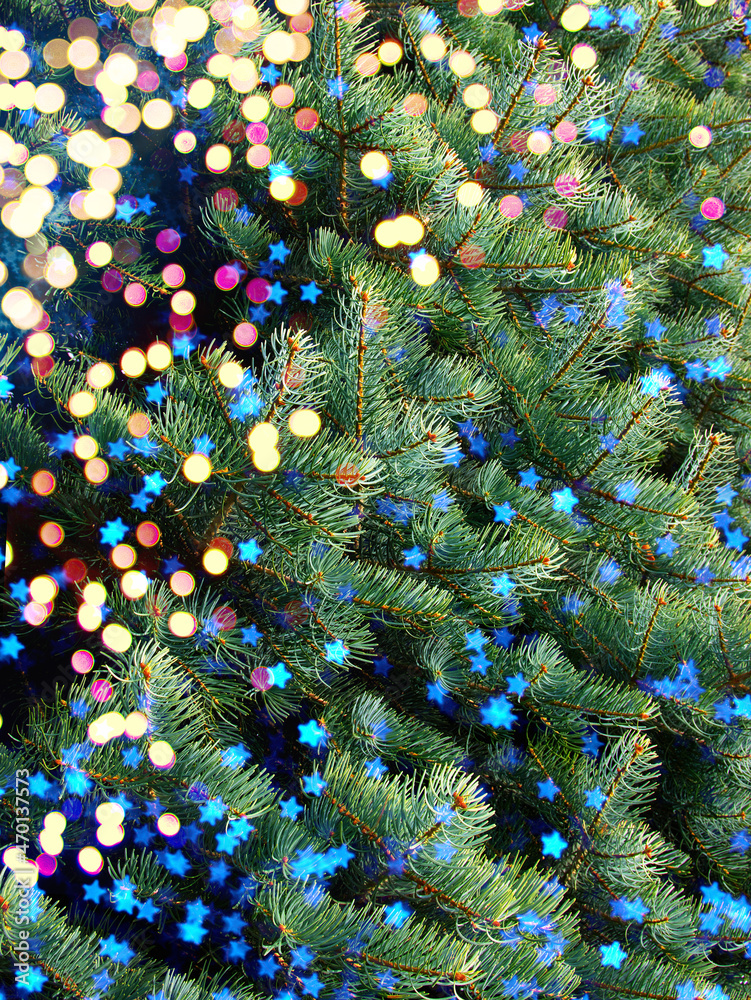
[(467, 712)]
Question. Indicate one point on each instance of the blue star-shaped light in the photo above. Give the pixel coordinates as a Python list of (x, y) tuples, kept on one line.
[(12, 468), (125, 211), (517, 171), (30, 981), (572, 314), (203, 444), (375, 768), (155, 393), (118, 449), (62, 442), (174, 862), (715, 256), (598, 128), (626, 909), (735, 539), (277, 293), (610, 571), (517, 685), (703, 575), (144, 445), (595, 799), (279, 675), (270, 74), (480, 663), (310, 292), (154, 483), (612, 954), (313, 784), (666, 546), (632, 134), (695, 370), (39, 786), (290, 808), (655, 329), (93, 892), (146, 204), (336, 87), (336, 651), (113, 532), (19, 591), (258, 314), (532, 33), (250, 550), (547, 789), (740, 842), (312, 985), (529, 478), (414, 557), (475, 640), (312, 734), (78, 708), (250, 636), (713, 326), (600, 17), (212, 811), (132, 756), (279, 252), (553, 844), (396, 914), (627, 492), (10, 647), (497, 712), (564, 500), (140, 500), (118, 951), (235, 756), (629, 20), (503, 584), (187, 173), (719, 368), (504, 513)]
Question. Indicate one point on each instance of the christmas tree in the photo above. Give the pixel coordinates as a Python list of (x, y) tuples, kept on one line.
[(375, 465)]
